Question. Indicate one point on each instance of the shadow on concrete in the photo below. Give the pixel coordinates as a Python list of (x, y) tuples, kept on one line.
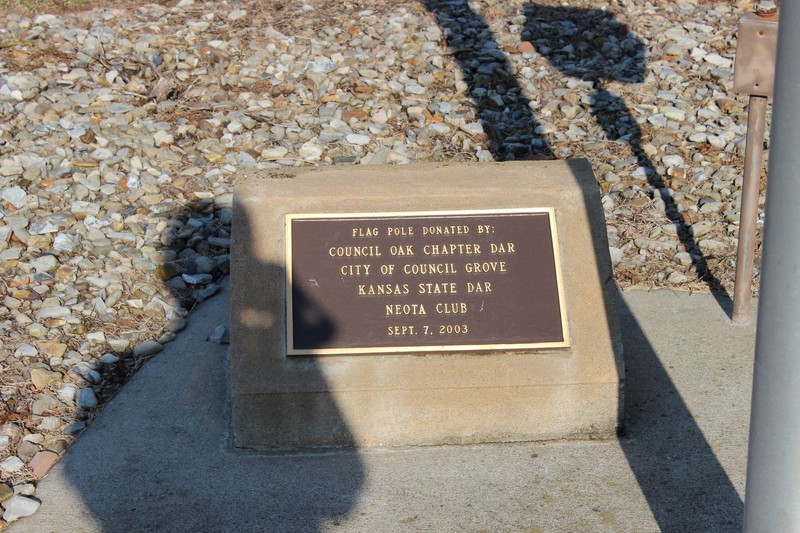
[(159, 456), (271, 418), (674, 465), (591, 45), (502, 109)]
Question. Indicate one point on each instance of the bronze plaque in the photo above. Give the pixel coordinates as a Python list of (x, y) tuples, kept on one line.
[(432, 281)]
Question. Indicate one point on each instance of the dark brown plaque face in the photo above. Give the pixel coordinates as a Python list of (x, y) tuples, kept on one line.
[(435, 281)]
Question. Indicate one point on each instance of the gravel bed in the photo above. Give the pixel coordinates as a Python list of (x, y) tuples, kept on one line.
[(123, 130)]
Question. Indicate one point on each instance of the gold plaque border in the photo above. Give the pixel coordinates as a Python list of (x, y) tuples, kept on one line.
[(430, 348)]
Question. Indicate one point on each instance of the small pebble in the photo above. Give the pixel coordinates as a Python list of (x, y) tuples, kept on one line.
[(146, 349), (42, 462), (220, 335), (20, 506), (86, 399), (11, 464)]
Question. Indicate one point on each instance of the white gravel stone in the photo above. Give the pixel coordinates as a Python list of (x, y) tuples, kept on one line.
[(45, 263), (683, 259), (162, 138), (67, 393), (659, 120), (545, 129), (311, 151), (473, 128), (616, 254), (26, 350), (674, 113), (80, 207), (11, 464), (15, 195), (672, 160), (20, 506), (276, 152), (718, 61), (676, 278), (357, 139), (96, 336), (9, 167), (484, 156), (56, 311), (49, 423), (439, 128), (25, 489), (716, 141), (701, 228)]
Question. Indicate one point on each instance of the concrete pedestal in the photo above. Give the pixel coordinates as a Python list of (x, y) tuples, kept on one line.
[(280, 401)]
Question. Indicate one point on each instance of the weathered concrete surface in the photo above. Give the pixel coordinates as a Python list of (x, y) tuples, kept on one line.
[(421, 399), (158, 457)]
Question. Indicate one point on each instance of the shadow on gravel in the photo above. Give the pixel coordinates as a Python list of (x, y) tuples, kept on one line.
[(591, 45), (587, 44), (158, 457), (502, 109), (193, 261), (679, 472)]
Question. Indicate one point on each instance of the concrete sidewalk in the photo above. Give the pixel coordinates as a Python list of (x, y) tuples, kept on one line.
[(157, 458)]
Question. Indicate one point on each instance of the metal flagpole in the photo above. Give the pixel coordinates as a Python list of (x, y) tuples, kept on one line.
[(772, 496)]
